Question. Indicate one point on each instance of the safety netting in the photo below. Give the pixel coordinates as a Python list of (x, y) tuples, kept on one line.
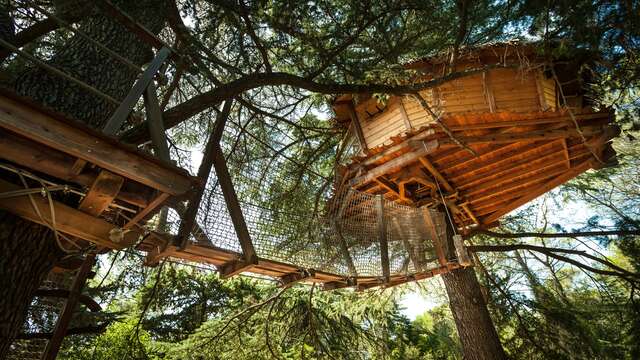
[(297, 216)]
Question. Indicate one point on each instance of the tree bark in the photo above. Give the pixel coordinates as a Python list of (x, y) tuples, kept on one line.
[(28, 252), (84, 61), (478, 335)]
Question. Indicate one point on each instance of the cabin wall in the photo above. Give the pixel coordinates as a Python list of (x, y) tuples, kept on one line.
[(504, 89)]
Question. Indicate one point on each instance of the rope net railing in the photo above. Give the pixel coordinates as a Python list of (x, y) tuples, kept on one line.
[(339, 234)]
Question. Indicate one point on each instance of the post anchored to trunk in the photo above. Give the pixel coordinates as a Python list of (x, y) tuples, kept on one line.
[(384, 245)]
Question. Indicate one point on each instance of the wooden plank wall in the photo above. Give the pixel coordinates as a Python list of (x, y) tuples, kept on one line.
[(509, 89)]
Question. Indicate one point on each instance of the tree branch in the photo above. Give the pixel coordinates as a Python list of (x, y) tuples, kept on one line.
[(552, 252), (198, 103), (556, 235)]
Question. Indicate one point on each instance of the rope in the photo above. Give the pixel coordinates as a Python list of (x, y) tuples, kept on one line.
[(23, 192), (51, 225)]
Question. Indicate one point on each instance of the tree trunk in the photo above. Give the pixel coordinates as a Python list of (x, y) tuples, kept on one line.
[(28, 252), (475, 328), (478, 335)]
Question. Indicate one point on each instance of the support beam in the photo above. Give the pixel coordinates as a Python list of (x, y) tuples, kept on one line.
[(382, 237), (53, 346), (68, 220), (76, 140), (57, 164), (233, 205), (234, 267), (124, 109), (212, 147), (102, 193), (397, 163), (534, 193), (388, 185), (154, 121), (436, 174), (533, 135), (148, 211)]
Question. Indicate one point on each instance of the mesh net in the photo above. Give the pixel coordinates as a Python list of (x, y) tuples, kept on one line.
[(338, 232)]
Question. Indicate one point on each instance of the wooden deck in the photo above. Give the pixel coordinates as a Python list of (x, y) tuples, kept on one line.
[(520, 156)]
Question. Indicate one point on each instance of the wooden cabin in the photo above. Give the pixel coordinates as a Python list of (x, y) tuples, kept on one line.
[(507, 130)]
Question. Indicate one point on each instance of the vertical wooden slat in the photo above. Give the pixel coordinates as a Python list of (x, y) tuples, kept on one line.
[(382, 236), (357, 127), (155, 124), (488, 93), (53, 346), (122, 112)]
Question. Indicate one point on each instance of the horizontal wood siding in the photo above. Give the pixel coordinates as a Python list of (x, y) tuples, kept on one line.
[(416, 114), (380, 128), (549, 88), (514, 90)]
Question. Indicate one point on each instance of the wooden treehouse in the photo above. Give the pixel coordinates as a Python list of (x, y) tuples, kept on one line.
[(484, 143)]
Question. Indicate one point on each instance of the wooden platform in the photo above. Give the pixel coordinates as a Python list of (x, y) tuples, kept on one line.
[(122, 186), (520, 156)]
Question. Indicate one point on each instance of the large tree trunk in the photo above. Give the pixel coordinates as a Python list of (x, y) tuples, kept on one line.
[(477, 333), (475, 328), (29, 251)]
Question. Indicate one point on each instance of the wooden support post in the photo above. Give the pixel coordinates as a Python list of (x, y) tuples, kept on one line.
[(102, 192), (212, 147), (565, 149), (382, 236), (122, 112), (53, 346), (437, 242), (344, 250), (357, 127), (154, 121)]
